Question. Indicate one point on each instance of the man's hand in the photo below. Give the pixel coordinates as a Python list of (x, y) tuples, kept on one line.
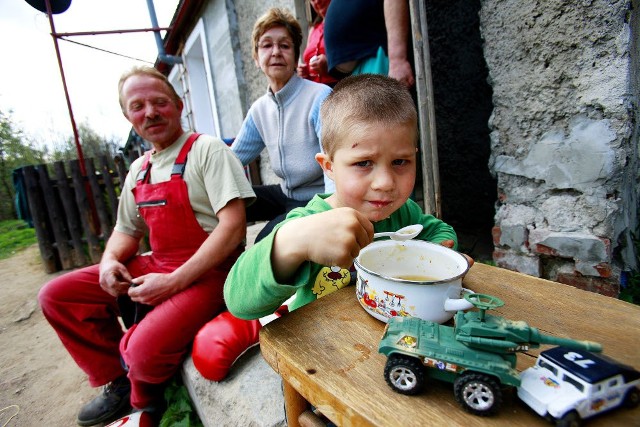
[(334, 237), (401, 71), (153, 288), (114, 277)]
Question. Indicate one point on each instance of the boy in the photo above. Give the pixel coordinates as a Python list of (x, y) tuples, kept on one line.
[(369, 138)]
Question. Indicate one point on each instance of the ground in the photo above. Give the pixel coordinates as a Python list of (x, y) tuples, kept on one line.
[(38, 379)]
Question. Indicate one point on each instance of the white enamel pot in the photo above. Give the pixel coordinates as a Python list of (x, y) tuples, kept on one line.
[(413, 278)]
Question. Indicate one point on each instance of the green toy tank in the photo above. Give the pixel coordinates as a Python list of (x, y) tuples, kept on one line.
[(478, 354)]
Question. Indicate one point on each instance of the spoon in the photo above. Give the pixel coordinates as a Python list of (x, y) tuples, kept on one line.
[(405, 233)]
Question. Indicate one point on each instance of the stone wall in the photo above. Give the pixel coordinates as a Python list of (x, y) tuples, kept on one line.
[(564, 137)]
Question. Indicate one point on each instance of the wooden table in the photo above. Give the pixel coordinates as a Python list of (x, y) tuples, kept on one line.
[(327, 354)]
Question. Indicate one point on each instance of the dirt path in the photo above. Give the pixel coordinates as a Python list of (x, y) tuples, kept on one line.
[(38, 379)]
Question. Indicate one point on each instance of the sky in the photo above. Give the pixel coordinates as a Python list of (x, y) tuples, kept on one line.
[(30, 81)]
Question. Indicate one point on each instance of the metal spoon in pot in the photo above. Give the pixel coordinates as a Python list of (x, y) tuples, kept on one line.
[(405, 233)]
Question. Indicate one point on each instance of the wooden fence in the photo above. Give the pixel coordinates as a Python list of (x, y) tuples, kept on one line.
[(73, 215)]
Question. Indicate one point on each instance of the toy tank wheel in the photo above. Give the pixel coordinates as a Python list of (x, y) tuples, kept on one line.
[(479, 394), (632, 398), (484, 301), (570, 419), (404, 374)]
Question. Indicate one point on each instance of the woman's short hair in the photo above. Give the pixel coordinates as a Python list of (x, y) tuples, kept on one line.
[(276, 17), (360, 100), (144, 70)]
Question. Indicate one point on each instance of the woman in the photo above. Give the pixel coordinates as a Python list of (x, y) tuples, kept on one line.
[(314, 64), (285, 120)]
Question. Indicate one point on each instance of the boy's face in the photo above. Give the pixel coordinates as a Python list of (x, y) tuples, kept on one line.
[(374, 169)]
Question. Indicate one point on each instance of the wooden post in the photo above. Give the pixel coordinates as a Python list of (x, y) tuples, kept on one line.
[(98, 200), (426, 109), (56, 218), (71, 214), (122, 169), (110, 187), (39, 215), (86, 214)]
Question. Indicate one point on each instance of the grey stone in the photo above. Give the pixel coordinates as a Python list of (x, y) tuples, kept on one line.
[(250, 395)]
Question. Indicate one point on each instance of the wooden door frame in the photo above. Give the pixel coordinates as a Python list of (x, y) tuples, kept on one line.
[(428, 143)]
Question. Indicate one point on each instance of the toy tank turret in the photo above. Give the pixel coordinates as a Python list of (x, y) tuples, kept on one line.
[(499, 335)]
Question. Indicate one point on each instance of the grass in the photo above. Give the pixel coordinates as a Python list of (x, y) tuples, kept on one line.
[(15, 235)]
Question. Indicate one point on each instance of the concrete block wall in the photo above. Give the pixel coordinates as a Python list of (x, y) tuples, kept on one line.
[(564, 137)]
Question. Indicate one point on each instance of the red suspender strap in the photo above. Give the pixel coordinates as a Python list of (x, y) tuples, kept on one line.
[(142, 175), (178, 167), (181, 160)]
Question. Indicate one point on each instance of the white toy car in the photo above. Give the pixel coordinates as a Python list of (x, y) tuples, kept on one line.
[(567, 386)]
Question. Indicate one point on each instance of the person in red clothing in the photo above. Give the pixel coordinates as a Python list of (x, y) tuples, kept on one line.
[(193, 208), (314, 59)]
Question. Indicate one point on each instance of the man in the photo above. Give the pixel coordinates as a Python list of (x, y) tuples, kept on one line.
[(193, 208), (369, 36)]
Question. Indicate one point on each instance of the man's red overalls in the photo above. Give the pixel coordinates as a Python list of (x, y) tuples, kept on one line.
[(85, 317)]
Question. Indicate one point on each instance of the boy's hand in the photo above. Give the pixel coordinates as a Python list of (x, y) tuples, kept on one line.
[(450, 243), (334, 237)]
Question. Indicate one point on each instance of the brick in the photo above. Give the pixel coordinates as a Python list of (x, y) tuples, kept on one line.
[(495, 233), (603, 286)]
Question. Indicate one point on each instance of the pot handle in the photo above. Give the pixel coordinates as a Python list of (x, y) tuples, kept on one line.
[(455, 304)]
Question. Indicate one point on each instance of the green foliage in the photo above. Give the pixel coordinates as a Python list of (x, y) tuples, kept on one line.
[(16, 150), (179, 411), (93, 145), (14, 236)]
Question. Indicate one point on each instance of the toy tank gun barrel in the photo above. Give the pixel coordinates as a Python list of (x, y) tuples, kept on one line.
[(520, 338), (488, 343), (537, 338)]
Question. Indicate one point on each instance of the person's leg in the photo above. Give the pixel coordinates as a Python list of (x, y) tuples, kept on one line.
[(270, 202), (289, 205), (86, 319), (154, 348)]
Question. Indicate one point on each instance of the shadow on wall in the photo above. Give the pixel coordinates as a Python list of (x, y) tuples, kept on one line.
[(463, 104)]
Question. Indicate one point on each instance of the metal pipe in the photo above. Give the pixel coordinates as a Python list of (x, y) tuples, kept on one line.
[(162, 55), (66, 91)]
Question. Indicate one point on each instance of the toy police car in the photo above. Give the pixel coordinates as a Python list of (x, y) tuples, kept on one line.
[(567, 386)]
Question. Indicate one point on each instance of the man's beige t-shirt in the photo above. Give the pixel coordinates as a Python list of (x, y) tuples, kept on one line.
[(213, 174)]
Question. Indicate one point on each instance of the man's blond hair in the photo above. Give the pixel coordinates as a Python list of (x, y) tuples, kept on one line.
[(144, 71), (358, 101)]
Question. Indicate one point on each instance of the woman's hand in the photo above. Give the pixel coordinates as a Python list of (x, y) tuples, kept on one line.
[(318, 65)]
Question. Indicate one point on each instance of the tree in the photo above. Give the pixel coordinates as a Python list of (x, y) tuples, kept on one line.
[(93, 145), (16, 151)]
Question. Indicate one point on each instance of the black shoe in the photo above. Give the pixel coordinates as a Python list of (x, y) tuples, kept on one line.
[(114, 397)]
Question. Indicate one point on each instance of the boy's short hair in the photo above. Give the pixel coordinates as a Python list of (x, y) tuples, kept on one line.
[(276, 17), (361, 100), (144, 70)]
